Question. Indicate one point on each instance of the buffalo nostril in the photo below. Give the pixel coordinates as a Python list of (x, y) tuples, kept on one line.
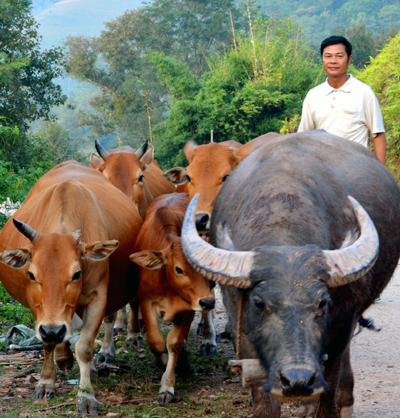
[(202, 221), (207, 304)]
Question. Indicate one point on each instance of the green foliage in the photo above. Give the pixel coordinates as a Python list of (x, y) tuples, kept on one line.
[(244, 95), (131, 95), (11, 312), (383, 75), (27, 89)]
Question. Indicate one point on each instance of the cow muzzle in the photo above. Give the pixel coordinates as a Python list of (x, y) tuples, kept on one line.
[(207, 304), (203, 221), (53, 334)]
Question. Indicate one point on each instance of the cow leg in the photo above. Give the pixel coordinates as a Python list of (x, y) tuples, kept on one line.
[(121, 322), (87, 403), (107, 351), (345, 399), (46, 387), (64, 356), (154, 337), (175, 340), (264, 406), (134, 336), (209, 344)]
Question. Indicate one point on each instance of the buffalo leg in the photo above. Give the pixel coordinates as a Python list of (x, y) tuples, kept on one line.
[(175, 340), (264, 406), (107, 351), (327, 407), (46, 387), (345, 399), (134, 336), (92, 318)]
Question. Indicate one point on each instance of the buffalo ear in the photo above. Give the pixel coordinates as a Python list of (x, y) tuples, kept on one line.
[(177, 175), (16, 258), (96, 163), (152, 260), (100, 250)]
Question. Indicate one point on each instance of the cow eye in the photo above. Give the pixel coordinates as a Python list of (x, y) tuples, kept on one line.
[(77, 275), (188, 178), (31, 276), (140, 179), (224, 179), (178, 270)]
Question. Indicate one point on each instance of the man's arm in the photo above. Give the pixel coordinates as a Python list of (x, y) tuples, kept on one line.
[(380, 147), (306, 123)]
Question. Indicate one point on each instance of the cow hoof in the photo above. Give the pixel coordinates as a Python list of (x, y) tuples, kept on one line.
[(165, 397), (207, 349), (104, 358), (134, 342), (65, 363), (43, 392), (306, 410), (88, 406), (119, 330), (346, 412), (224, 336)]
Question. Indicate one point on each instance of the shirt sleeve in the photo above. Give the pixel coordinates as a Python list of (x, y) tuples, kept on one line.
[(373, 114), (307, 122)]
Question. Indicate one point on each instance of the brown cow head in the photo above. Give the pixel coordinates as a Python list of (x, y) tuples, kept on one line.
[(209, 167), (181, 277), (54, 277), (125, 168)]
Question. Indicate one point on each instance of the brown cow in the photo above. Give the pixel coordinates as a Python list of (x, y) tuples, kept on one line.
[(139, 177), (169, 287), (56, 270), (209, 167)]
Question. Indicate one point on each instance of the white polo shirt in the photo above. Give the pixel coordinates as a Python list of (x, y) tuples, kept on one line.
[(349, 111)]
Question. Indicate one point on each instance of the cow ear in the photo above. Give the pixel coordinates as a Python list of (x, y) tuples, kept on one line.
[(189, 149), (147, 158), (16, 258), (100, 250), (177, 175), (96, 163), (152, 260)]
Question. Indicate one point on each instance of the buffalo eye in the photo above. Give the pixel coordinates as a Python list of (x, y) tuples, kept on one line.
[(259, 304), (188, 178), (224, 179), (321, 307), (77, 275), (31, 276), (178, 270), (140, 179)]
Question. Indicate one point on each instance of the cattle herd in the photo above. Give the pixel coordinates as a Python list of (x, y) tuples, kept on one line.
[(301, 231)]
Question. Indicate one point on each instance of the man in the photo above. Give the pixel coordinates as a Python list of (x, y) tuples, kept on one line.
[(343, 105)]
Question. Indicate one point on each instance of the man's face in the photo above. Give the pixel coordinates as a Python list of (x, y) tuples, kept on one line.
[(335, 60)]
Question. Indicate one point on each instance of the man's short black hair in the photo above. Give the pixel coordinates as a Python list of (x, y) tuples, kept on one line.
[(335, 40)]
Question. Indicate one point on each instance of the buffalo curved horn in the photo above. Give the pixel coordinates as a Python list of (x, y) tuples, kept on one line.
[(26, 230), (141, 151), (101, 151), (231, 268), (348, 264)]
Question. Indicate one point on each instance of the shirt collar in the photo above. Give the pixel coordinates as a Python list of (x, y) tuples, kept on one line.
[(346, 88)]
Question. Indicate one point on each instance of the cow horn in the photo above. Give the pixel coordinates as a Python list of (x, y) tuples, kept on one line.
[(230, 268), (101, 151), (140, 152), (351, 263), (26, 230)]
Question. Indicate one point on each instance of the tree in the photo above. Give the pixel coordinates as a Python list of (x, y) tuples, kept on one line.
[(131, 95), (244, 95), (27, 87), (383, 75)]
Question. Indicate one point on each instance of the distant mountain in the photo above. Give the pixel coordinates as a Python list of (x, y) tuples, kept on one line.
[(59, 19)]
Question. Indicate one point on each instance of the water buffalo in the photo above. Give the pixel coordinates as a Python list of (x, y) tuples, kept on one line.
[(303, 260)]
